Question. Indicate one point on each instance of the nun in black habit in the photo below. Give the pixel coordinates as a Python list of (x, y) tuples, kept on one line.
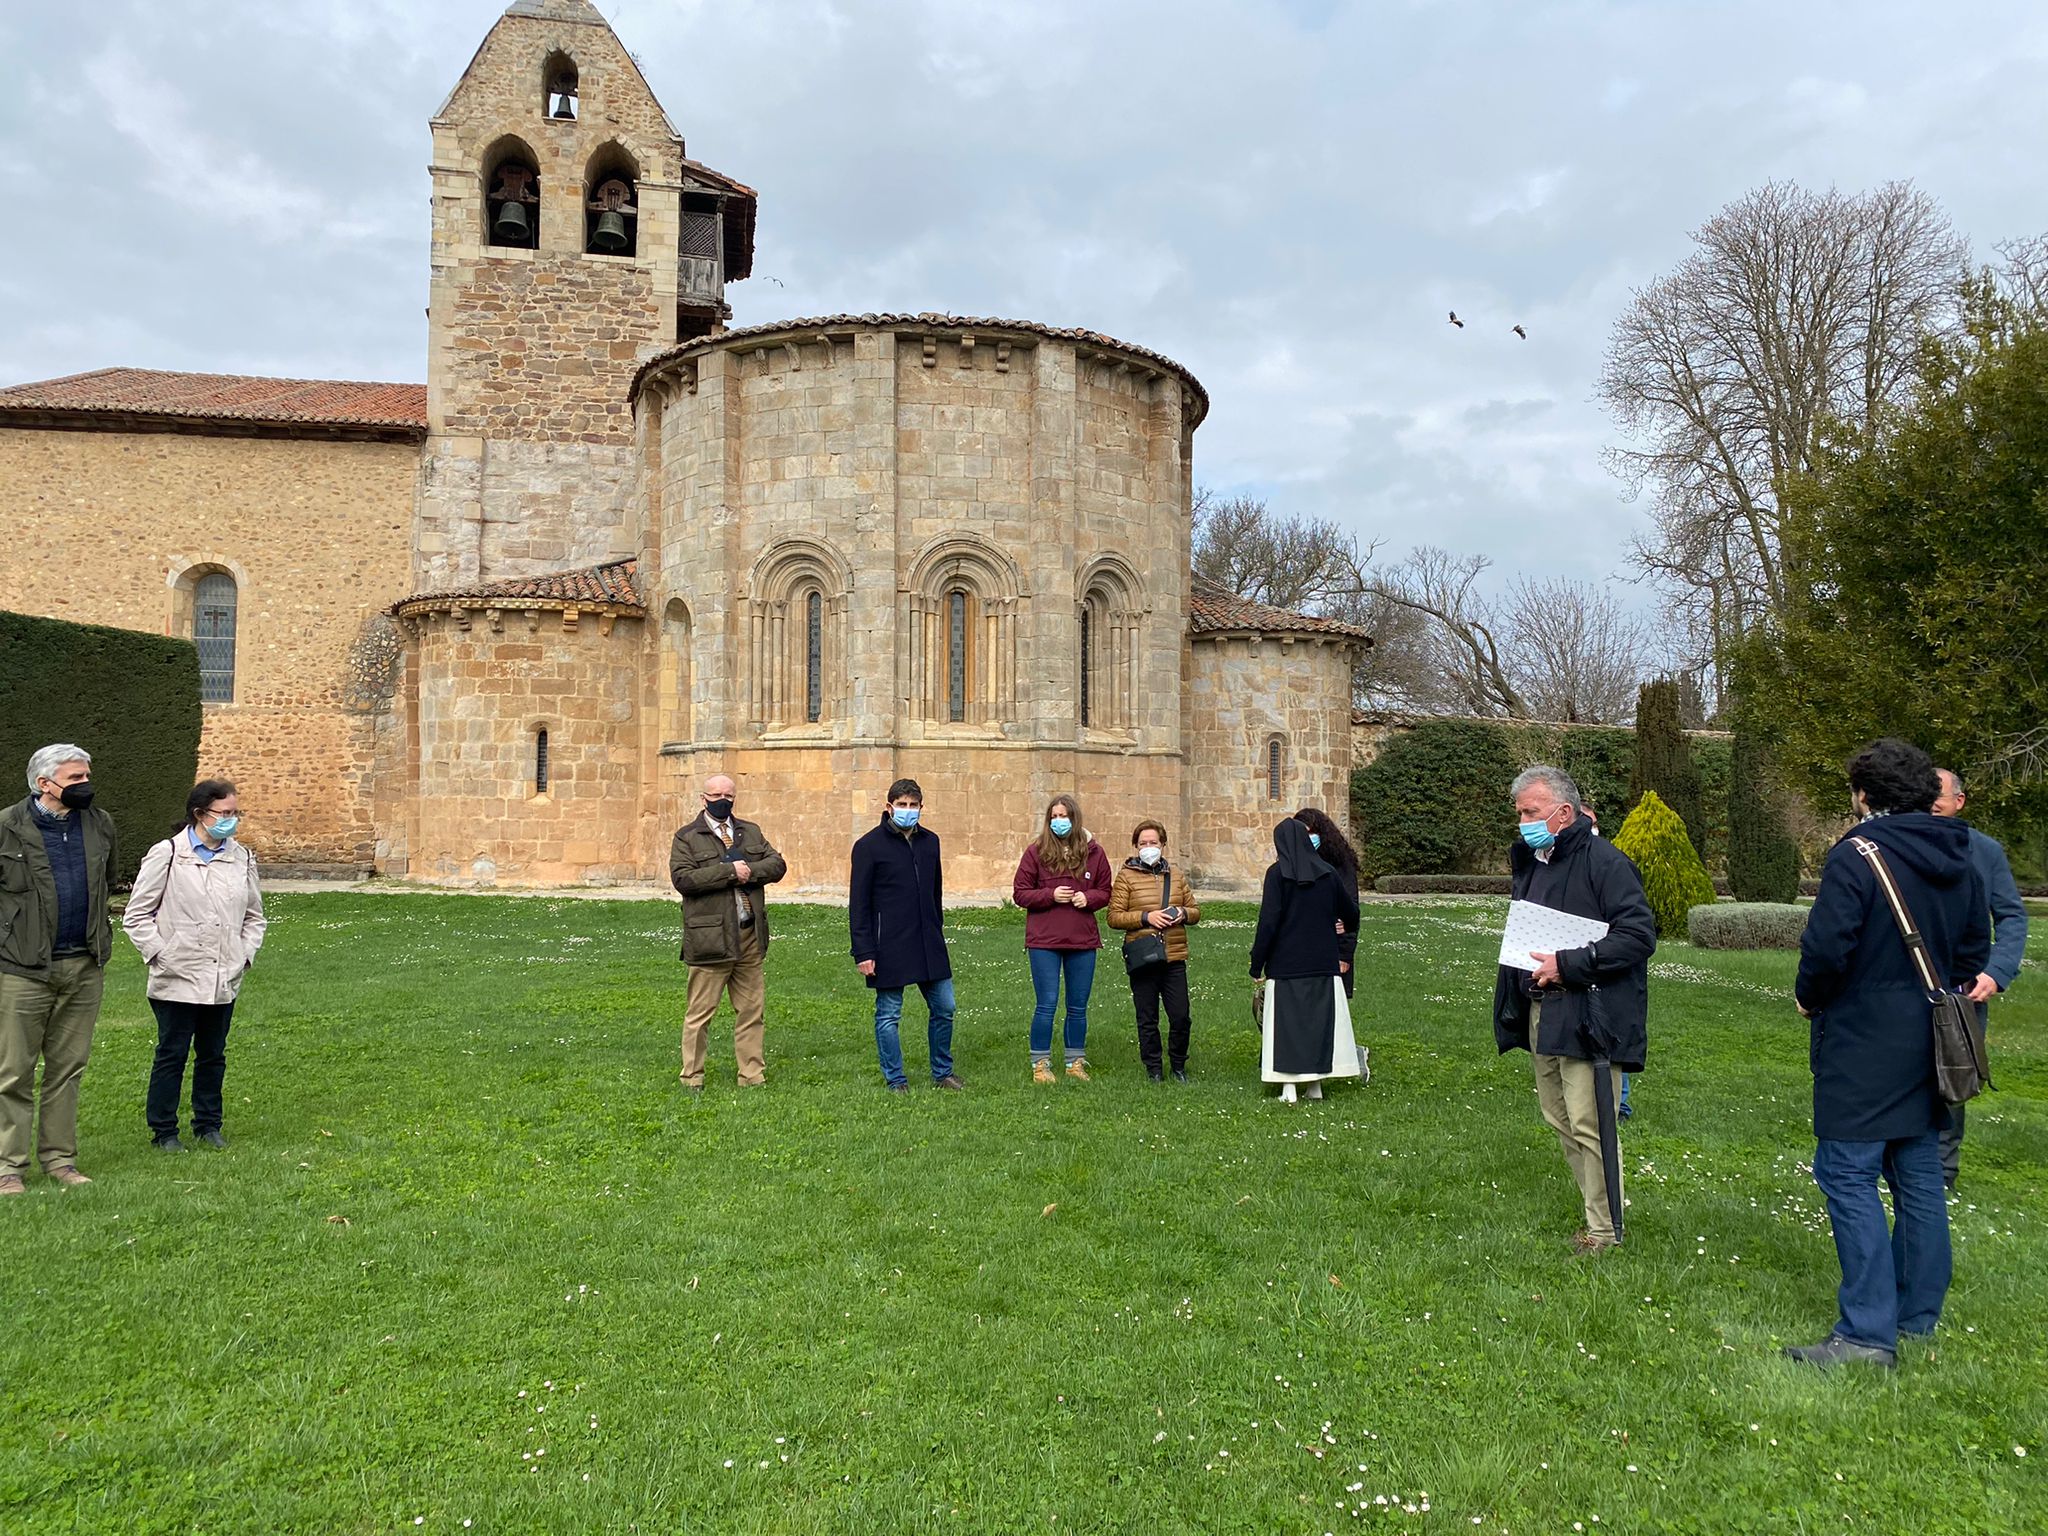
[(1307, 1033)]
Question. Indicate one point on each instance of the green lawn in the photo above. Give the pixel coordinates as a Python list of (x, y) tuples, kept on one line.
[(474, 1262)]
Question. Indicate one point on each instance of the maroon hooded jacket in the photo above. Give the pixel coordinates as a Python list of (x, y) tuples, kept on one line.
[(1050, 924)]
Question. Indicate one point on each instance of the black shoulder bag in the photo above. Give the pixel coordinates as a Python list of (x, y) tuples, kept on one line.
[(1962, 1065), (1148, 949)]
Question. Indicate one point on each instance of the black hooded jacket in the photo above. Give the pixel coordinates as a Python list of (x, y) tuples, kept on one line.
[(1588, 877), (1872, 1045)]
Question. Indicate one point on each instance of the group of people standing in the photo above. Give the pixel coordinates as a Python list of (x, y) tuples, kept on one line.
[(195, 913), (722, 865)]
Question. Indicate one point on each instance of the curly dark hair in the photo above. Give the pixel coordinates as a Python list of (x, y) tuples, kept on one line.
[(1333, 850), (1894, 775)]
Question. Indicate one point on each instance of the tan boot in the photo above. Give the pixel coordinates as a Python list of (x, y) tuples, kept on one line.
[(1078, 1070), (1041, 1072)]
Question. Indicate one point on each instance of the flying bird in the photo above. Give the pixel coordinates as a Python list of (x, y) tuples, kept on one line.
[(1456, 321), (1521, 333)]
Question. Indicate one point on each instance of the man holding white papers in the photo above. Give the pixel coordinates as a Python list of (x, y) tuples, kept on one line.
[(1583, 1005)]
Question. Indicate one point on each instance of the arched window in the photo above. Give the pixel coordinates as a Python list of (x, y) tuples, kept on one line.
[(558, 88), (956, 654), (511, 195), (1110, 618), (213, 631), (540, 760), (677, 711), (1274, 786), (611, 217), (814, 657)]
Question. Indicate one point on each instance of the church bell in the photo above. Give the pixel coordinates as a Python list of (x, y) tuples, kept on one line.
[(610, 234), (511, 225)]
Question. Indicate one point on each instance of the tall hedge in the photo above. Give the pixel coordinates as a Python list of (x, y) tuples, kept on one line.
[(130, 699), (1663, 763), (1435, 801), (1763, 858), (1674, 879)]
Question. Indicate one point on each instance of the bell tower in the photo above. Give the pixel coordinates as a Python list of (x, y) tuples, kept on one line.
[(572, 239)]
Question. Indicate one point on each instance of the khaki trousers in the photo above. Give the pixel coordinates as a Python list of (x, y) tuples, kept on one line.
[(749, 990), (1564, 1087), (48, 1017)]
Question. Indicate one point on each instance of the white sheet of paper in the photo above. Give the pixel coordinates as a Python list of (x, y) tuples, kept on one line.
[(1532, 927)]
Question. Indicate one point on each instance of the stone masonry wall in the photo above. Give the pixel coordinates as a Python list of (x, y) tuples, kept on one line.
[(1241, 694), (881, 469), (484, 691), (102, 526)]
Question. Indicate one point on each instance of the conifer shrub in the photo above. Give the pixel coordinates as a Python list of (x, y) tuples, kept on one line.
[(1664, 762), (1674, 879)]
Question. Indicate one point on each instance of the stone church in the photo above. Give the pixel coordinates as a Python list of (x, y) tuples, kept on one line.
[(497, 629)]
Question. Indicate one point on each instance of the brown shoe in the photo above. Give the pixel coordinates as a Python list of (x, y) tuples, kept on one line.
[(1078, 1070), (1041, 1072), (949, 1082), (11, 1184), (1585, 1244), (68, 1176)]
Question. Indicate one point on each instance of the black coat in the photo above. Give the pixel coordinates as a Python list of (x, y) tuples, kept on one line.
[(1872, 1045), (1297, 934), (1347, 941), (1588, 877), (896, 903)]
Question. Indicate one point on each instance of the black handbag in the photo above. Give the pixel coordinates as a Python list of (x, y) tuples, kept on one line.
[(1962, 1063), (1148, 950)]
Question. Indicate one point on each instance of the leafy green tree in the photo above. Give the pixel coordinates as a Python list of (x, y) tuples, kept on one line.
[(1664, 762), (1927, 604), (1674, 879)]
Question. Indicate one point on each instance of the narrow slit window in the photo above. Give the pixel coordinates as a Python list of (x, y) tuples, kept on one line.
[(540, 761), (956, 655), (1273, 769), (1087, 663), (814, 657), (213, 632)]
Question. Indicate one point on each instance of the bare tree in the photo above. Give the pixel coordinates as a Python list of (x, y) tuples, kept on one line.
[(1306, 565), (1799, 314), (1460, 646), (2022, 276), (1576, 653)]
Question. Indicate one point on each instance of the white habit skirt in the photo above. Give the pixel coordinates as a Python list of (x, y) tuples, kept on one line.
[(1344, 1054)]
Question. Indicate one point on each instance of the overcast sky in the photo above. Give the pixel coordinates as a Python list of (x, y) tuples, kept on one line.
[(1287, 196)]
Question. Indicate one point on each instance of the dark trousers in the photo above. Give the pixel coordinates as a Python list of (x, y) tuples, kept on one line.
[(1952, 1147), (1168, 981), (1892, 1282), (202, 1029)]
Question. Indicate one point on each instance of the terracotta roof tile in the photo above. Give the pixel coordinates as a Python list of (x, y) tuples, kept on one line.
[(614, 585), (224, 397), (1213, 609)]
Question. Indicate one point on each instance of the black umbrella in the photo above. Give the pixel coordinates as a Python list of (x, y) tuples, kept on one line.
[(1600, 1039)]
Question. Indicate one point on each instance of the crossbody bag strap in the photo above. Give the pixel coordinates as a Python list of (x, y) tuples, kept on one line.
[(1916, 945)]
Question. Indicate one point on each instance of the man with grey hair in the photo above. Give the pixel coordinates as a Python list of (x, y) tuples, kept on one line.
[(1582, 1005), (56, 869), (2008, 941)]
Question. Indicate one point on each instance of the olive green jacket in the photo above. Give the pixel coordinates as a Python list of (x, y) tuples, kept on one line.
[(28, 890), (701, 869)]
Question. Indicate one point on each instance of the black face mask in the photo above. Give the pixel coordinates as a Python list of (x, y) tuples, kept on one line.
[(719, 810), (76, 797)]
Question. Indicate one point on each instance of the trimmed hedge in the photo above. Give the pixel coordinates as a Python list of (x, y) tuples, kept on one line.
[(1389, 796), (1746, 925), (1442, 885), (1664, 763), (1674, 880), (130, 699), (1763, 858)]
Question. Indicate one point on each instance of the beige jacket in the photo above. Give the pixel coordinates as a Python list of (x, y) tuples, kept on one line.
[(198, 925)]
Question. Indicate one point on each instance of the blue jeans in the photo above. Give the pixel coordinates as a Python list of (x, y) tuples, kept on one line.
[(938, 1004), (1890, 1285), (1047, 967)]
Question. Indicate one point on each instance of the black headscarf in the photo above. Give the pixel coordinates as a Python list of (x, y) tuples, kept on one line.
[(1298, 861)]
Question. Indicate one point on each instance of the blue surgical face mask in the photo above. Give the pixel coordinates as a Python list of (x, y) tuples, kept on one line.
[(224, 828), (1062, 825), (1315, 840), (905, 816), (1537, 834)]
